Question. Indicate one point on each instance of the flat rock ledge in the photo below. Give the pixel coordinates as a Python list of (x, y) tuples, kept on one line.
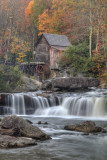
[(17, 132), (70, 83), (87, 127)]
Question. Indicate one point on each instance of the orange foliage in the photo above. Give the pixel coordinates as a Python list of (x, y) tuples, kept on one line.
[(99, 61), (28, 10), (51, 21), (44, 22)]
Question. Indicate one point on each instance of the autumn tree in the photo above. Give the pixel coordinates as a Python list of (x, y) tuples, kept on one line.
[(12, 24), (51, 20), (83, 21), (32, 12)]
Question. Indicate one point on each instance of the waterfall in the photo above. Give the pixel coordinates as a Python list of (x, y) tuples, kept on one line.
[(53, 105), (18, 104), (27, 104), (86, 106), (78, 106), (100, 107), (42, 104)]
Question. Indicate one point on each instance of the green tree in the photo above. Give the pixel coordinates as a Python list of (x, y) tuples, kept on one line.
[(10, 78)]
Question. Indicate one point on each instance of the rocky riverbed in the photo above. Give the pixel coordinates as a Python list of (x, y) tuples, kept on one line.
[(65, 144), (17, 132)]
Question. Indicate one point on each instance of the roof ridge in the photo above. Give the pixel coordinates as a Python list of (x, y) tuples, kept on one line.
[(56, 39)]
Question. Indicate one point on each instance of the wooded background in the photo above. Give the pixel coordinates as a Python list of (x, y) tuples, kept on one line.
[(23, 21)]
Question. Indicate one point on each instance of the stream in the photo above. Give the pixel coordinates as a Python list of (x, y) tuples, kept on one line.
[(58, 111)]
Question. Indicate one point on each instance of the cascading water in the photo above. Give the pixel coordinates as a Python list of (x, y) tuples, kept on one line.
[(100, 107), (26, 104), (78, 106), (54, 105), (18, 104), (88, 106), (42, 104)]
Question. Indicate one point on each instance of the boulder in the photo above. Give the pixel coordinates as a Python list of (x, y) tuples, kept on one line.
[(10, 132), (47, 84), (15, 142), (24, 128), (31, 84), (87, 127), (28, 84), (70, 83), (39, 122), (29, 121)]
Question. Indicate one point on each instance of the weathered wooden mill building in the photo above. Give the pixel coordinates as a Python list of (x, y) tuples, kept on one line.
[(45, 57), (49, 48)]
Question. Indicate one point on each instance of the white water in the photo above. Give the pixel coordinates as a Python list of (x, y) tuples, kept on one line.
[(91, 104), (78, 106), (42, 104), (18, 104), (100, 107)]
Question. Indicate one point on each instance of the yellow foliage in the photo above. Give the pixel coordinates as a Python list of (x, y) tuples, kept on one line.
[(19, 45), (20, 57)]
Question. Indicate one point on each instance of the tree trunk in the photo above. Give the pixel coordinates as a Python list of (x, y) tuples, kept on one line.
[(91, 29), (9, 40), (97, 38), (90, 42)]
